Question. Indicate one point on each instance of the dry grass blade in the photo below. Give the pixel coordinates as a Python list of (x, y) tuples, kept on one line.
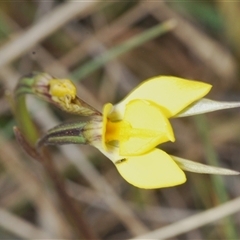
[(150, 213), (206, 49), (107, 34), (22, 228), (53, 20), (195, 221), (33, 188)]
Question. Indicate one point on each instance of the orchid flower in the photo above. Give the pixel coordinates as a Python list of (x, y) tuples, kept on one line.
[(129, 132)]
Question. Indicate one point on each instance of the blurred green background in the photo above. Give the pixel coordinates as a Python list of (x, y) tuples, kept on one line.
[(107, 48)]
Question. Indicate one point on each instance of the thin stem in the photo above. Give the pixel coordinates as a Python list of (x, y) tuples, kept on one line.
[(25, 122), (22, 115)]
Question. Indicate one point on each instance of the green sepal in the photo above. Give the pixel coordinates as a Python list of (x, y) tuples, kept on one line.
[(190, 166), (205, 105), (66, 133)]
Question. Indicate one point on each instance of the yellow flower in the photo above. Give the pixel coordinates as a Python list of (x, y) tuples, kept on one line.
[(129, 132), (134, 127)]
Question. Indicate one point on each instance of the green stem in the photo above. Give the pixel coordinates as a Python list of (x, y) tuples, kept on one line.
[(218, 183), (22, 115), (24, 120)]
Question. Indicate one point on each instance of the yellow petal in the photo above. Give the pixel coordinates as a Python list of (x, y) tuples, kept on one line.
[(172, 93), (61, 88), (106, 109), (149, 127), (155, 169)]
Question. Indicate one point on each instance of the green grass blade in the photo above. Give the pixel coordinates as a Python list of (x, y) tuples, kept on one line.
[(128, 45), (217, 181)]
